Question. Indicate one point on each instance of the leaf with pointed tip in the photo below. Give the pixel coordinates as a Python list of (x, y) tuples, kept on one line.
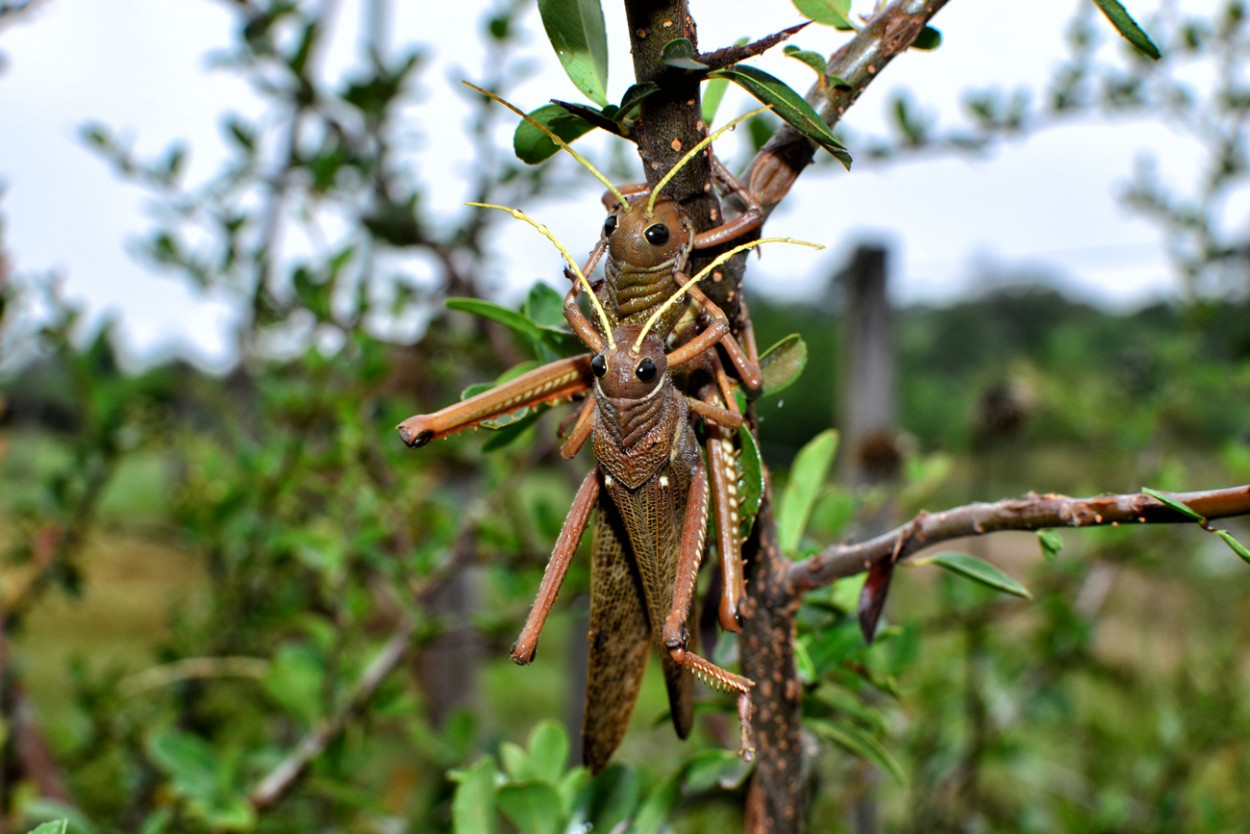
[(787, 104), (680, 54), (872, 597), (713, 93), (634, 98), (862, 745), (532, 146), (783, 363), (1126, 26), (576, 31), (508, 318), (813, 59), (978, 570)]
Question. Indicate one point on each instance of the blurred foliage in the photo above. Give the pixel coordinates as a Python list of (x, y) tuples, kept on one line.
[(336, 659)]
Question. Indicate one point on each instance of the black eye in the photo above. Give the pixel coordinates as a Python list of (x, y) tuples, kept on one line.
[(656, 235), (599, 365), (609, 225), (646, 369)]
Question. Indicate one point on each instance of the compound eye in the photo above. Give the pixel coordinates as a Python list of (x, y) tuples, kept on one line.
[(656, 235), (609, 225), (599, 365), (646, 369)]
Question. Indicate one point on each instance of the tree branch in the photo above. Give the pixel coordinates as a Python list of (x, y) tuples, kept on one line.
[(1034, 512)]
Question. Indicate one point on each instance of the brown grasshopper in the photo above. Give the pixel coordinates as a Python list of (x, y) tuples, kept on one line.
[(648, 240), (650, 494)]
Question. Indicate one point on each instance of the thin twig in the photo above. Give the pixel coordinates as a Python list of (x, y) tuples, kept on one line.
[(1034, 512), (289, 771)]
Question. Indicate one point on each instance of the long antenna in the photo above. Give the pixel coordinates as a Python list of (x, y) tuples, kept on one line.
[(581, 278), (551, 134), (703, 273), (690, 154)]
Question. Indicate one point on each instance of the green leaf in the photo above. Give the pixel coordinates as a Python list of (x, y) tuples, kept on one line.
[(680, 53), (505, 434), (634, 97), (1126, 26), (576, 31), (1174, 504), (532, 146), (807, 476), (813, 59), (657, 806), (54, 827), (929, 38), (750, 481), (473, 805), (512, 373), (545, 307), (835, 13), (294, 681), (862, 745), (713, 93), (783, 363), (508, 318), (549, 751), (787, 104), (978, 570), (1238, 547), (1051, 543), (533, 807)]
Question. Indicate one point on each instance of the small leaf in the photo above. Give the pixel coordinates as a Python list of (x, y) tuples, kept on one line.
[(549, 751), (473, 805), (533, 807), (813, 59), (576, 31), (1051, 543), (787, 104), (807, 476), (750, 481), (1126, 26), (1238, 547), (803, 663), (505, 434), (872, 597), (783, 363), (978, 570), (1174, 504), (833, 13), (634, 97), (680, 53), (862, 745), (532, 146), (928, 39)]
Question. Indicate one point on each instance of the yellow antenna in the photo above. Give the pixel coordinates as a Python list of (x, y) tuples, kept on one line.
[(690, 154), (550, 134), (703, 273), (545, 232)]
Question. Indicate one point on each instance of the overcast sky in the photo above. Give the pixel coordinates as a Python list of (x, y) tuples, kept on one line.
[(1049, 202)]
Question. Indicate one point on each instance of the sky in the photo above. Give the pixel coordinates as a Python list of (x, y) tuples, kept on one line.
[(1049, 203)]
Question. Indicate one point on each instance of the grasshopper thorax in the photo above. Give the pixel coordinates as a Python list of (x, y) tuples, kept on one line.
[(645, 240)]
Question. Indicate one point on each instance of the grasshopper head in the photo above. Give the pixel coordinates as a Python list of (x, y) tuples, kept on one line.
[(641, 240), (627, 374)]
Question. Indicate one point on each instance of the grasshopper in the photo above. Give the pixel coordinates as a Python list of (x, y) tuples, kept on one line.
[(649, 492), (648, 239)]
